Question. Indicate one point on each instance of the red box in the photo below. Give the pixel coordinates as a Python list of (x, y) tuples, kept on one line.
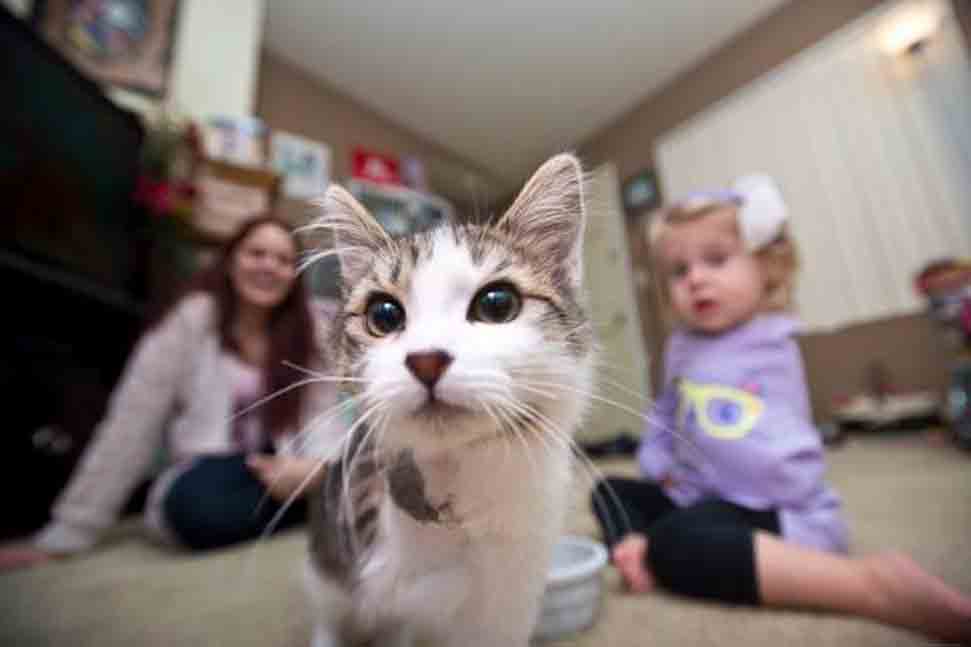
[(375, 167)]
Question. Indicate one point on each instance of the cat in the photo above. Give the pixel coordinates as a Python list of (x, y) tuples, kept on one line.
[(467, 357)]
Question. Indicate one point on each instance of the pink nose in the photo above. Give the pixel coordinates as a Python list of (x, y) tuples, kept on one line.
[(428, 366)]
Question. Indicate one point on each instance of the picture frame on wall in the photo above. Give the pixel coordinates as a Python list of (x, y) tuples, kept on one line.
[(303, 163), (641, 193), (123, 43)]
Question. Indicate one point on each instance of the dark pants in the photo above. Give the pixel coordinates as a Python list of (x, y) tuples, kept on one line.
[(705, 550), (218, 502)]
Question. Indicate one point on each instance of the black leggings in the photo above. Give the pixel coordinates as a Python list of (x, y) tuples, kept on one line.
[(218, 502), (705, 550)]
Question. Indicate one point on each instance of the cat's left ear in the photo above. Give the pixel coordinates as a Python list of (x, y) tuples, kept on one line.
[(548, 216)]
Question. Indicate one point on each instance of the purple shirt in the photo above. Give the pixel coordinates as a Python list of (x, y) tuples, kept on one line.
[(733, 422)]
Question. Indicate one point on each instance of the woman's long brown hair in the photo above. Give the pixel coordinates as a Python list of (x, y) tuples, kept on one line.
[(291, 328)]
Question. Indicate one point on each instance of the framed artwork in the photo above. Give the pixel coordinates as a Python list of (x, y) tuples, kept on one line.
[(303, 163), (641, 193), (127, 43)]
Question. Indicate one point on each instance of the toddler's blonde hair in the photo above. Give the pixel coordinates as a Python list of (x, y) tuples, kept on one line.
[(779, 258)]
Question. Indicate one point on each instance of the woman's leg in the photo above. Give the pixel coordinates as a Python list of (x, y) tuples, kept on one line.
[(218, 502), (890, 588)]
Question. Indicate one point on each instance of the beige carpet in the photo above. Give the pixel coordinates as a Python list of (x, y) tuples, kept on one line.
[(906, 491)]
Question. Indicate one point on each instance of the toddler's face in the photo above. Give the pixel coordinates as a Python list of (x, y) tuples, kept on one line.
[(713, 282)]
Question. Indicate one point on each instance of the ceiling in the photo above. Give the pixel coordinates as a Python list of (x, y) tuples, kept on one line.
[(503, 83)]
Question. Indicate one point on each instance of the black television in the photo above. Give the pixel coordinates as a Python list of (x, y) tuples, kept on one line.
[(68, 168), (72, 265)]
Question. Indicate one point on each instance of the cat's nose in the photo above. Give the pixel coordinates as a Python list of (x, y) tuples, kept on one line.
[(428, 366)]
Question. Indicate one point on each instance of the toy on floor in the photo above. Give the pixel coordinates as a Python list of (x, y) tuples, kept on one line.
[(946, 285)]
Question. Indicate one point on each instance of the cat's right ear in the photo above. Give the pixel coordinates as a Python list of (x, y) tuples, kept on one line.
[(357, 235), (548, 215)]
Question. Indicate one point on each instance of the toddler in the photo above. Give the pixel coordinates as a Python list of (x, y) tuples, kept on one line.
[(734, 505)]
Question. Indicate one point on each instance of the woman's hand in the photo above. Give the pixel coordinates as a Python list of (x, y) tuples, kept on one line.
[(285, 475), (22, 555)]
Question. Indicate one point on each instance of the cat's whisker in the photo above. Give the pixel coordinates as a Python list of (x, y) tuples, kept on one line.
[(339, 251), (275, 520), (506, 443), (276, 394), (367, 452), (594, 474), (588, 467), (513, 429), (646, 416), (321, 376), (626, 390), (528, 368), (351, 453), (530, 414), (322, 419), (299, 444), (301, 488)]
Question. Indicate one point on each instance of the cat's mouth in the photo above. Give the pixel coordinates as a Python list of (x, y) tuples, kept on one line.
[(437, 409)]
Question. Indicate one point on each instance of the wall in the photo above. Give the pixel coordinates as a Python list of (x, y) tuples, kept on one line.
[(629, 141), (216, 60), (289, 99), (621, 358), (911, 348)]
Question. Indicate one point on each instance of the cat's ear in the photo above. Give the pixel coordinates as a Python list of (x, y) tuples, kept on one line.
[(548, 216), (357, 235)]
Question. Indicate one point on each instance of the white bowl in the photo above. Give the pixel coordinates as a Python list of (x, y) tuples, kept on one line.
[(574, 588)]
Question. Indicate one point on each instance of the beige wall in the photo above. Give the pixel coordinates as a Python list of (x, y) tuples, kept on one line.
[(629, 142), (216, 58), (289, 99)]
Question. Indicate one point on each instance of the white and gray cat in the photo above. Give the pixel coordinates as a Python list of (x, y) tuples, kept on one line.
[(466, 356)]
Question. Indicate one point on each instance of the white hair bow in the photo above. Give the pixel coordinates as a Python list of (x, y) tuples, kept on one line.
[(762, 212)]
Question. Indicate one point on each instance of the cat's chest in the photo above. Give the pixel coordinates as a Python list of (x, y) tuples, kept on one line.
[(436, 500)]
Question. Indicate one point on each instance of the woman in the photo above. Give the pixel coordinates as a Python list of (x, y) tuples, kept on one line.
[(192, 388)]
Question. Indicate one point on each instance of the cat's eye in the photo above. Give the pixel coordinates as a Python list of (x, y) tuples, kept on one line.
[(384, 315), (496, 303)]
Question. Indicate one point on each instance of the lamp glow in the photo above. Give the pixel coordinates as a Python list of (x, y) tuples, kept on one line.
[(909, 28)]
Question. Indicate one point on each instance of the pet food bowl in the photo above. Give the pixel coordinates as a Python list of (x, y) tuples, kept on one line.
[(574, 588)]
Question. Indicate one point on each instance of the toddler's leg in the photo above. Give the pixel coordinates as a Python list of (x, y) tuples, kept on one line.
[(890, 588)]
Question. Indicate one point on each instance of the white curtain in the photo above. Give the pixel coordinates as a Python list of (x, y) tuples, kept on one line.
[(873, 154)]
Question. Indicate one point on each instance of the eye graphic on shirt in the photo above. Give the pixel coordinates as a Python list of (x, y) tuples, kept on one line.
[(720, 411)]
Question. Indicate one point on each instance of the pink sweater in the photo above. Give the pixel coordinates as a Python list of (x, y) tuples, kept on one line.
[(175, 392)]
